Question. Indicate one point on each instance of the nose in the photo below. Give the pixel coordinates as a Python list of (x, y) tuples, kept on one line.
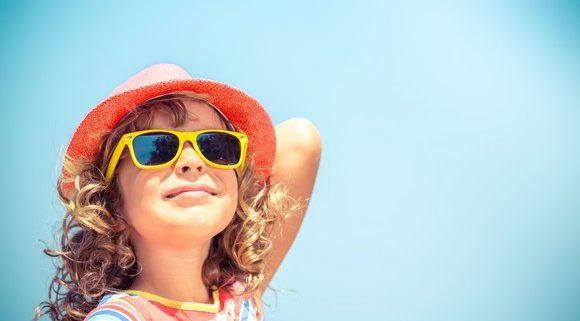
[(189, 161)]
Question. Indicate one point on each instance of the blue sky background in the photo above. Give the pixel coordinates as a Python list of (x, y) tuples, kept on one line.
[(449, 183)]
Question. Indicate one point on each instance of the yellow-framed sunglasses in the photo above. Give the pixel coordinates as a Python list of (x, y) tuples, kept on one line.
[(157, 148)]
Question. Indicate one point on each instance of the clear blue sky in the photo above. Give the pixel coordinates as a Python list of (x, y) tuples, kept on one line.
[(449, 184)]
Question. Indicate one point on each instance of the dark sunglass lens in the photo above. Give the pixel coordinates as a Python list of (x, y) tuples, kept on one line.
[(220, 148), (155, 148)]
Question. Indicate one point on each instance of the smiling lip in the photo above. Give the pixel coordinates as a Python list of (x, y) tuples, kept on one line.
[(190, 188)]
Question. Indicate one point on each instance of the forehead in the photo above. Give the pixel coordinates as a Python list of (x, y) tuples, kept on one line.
[(200, 115)]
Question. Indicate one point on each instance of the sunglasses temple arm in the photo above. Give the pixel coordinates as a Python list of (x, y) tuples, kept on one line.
[(114, 160)]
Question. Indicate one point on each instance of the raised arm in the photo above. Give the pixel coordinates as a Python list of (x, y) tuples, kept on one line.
[(298, 146)]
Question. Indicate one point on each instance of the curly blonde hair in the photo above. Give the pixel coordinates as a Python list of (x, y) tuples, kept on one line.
[(96, 256)]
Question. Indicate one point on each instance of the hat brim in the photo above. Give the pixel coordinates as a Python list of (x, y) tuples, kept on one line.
[(242, 110)]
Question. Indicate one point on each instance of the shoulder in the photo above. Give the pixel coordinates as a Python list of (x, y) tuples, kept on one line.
[(115, 307)]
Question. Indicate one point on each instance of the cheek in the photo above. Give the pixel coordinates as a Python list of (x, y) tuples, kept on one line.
[(138, 196), (136, 189), (232, 183)]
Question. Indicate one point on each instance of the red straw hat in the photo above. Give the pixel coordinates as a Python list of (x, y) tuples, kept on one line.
[(243, 111)]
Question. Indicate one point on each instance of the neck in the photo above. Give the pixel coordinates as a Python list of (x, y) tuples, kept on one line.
[(173, 273)]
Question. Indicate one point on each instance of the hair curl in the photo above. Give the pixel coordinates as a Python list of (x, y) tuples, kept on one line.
[(96, 256)]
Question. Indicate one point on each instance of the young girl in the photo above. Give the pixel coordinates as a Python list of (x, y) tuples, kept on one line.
[(182, 200)]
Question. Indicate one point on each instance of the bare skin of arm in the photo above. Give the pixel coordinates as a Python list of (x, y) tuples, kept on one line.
[(298, 147)]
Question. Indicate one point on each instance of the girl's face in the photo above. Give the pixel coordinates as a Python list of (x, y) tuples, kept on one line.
[(154, 204)]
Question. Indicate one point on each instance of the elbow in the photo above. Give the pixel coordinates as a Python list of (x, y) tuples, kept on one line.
[(306, 138)]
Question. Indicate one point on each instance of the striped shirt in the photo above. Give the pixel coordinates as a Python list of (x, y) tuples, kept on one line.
[(142, 306)]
